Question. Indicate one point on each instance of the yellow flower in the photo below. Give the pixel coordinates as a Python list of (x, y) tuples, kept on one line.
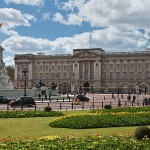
[(51, 137)]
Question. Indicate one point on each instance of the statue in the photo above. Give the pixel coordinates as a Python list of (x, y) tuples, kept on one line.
[(40, 84), (53, 86), (5, 82)]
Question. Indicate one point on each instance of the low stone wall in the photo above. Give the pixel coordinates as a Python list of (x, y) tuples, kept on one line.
[(19, 92)]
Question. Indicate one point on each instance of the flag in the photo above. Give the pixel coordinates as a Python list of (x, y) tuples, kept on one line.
[(1, 25)]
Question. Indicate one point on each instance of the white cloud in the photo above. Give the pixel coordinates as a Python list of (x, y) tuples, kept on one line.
[(9, 61), (26, 2), (12, 18), (129, 13), (111, 38), (46, 16)]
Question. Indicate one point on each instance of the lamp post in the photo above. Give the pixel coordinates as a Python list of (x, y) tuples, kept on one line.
[(80, 89), (106, 86), (25, 71)]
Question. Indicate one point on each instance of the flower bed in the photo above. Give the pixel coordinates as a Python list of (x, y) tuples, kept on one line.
[(122, 109), (103, 120), (111, 142)]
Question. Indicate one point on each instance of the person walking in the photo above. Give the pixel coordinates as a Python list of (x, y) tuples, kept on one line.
[(119, 102), (134, 97)]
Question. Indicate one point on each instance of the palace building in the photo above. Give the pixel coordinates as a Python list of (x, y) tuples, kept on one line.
[(86, 69)]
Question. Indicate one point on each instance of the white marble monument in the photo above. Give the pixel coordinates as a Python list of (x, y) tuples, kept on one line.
[(5, 82)]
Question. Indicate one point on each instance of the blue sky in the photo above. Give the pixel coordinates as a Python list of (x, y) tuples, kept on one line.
[(59, 26)]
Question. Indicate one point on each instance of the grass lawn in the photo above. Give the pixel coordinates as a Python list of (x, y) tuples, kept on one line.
[(38, 126)]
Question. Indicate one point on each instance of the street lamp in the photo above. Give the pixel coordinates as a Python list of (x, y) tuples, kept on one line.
[(80, 89), (25, 71), (106, 86)]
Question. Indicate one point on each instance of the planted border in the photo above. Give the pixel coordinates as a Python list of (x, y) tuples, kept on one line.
[(122, 109), (112, 142), (29, 113), (102, 120)]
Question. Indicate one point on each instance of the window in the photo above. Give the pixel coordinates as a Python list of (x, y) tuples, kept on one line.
[(59, 68), (65, 75), (146, 65), (131, 66), (110, 66), (46, 68), (117, 66), (111, 75), (118, 75), (41, 68), (125, 66), (132, 75), (139, 75), (53, 67), (124, 75), (139, 65), (65, 67)]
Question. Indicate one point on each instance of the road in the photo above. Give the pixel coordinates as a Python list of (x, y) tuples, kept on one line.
[(96, 101)]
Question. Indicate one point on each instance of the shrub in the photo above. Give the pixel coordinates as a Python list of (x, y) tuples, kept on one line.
[(107, 107), (29, 113), (142, 132), (86, 121), (47, 108)]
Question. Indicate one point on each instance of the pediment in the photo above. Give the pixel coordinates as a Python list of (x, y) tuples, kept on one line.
[(86, 55)]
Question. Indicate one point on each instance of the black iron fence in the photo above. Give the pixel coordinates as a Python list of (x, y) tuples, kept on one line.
[(65, 104)]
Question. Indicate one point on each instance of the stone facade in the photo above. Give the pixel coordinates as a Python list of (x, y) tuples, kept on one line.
[(87, 69)]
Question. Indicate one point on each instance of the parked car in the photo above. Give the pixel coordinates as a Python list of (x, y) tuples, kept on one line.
[(23, 101), (82, 98), (4, 100)]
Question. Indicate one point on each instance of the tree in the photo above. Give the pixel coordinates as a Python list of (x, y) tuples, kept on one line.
[(10, 72)]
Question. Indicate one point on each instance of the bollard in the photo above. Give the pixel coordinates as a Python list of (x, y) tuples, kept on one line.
[(7, 106), (48, 104), (82, 105), (69, 98), (125, 103), (35, 106), (22, 107), (42, 100), (132, 103), (63, 99), (102, 105), (138, 103), (60, 106), (57, 99), (93, 105), (72, 106)]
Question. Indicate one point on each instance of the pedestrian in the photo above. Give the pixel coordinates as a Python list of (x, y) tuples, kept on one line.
[(112, 94), (119, 102), (122, 96), (45, 96), (134, 97), (129, 98), (149, 101), (39, 96), (50, 96), (145, 101)]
